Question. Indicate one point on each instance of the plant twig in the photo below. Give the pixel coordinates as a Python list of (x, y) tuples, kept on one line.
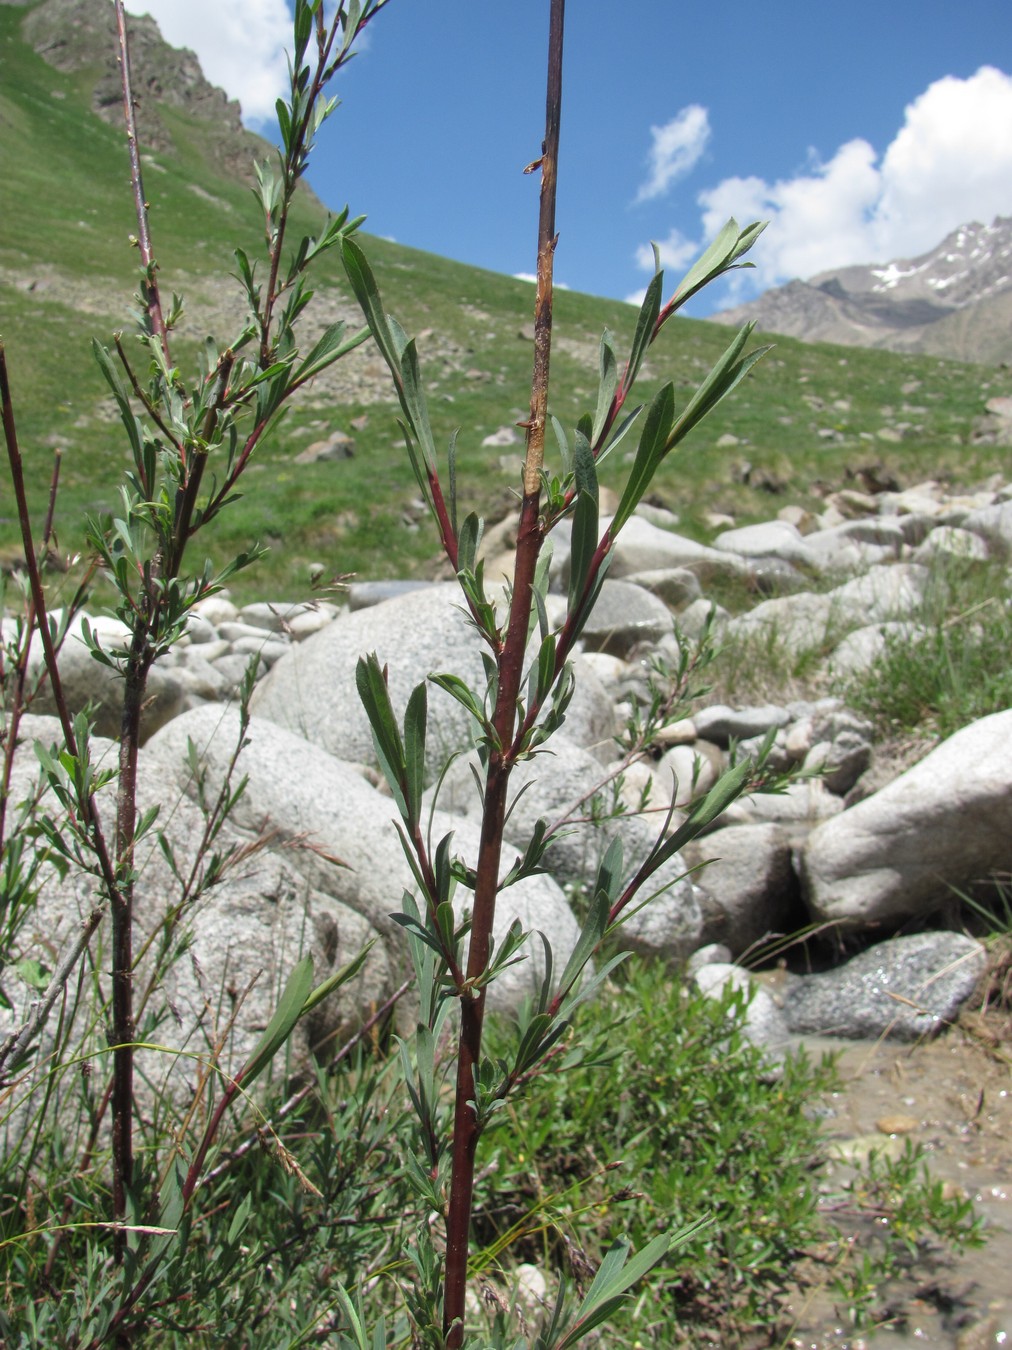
[(529, 539), (151, 294)]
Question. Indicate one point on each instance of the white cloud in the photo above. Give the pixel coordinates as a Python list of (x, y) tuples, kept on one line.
[(818, 220), (675, 253), (676, 150), (950, 163), (532, 277), (240, 47)]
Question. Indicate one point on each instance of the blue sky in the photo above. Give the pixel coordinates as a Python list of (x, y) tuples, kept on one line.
[(864, 131)]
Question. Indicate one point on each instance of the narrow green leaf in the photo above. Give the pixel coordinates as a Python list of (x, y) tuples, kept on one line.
[(590, 936), (585, 520), (445, 921), (280, 1027), (539, 591), (418, 930), (546, 666), (590, 600), (607, 383), (609, 872), (339, 977), (620, 434), (722, 255), (375, 697), (530, 1042), (728, 788), (468, 541), (533, 854), (331, 347), (363, 283), (729, 371), (616, 1276), (246, 270), (284, 121), (545, 993), (645, 322), (417, 467), (415, 717), (443, 867), (119, 393), (415, 404), (589, 987), (456, 688), (351, 1317), (583, 547), (584, 466), (651, 450), (563, 442)]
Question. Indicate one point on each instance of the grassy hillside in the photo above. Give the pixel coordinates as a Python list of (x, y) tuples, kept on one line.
[(807, 419)]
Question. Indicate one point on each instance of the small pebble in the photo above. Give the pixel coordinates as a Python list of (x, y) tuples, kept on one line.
[(897, 1124)]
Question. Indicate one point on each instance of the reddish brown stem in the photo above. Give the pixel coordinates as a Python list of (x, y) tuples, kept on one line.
[(529, 539), (41, 612), (295, 158), (446, 535), (122, 929), (18, 703), (149, 407), (152, 297)]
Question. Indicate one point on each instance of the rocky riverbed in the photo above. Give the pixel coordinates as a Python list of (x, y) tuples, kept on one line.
[(843, 848), (854, 848)]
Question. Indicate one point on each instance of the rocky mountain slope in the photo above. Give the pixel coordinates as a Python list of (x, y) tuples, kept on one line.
[(79, 36), (333, 486), (954, 301)]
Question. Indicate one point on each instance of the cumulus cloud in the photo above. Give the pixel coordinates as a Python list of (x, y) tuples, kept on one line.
[(240, 47), (817, 220), (949, 163), (675, 253), (676, 149), (532, 277)]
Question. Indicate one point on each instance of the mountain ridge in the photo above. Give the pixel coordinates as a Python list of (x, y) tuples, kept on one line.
[(79, 36), (806, 422), (953, 301)]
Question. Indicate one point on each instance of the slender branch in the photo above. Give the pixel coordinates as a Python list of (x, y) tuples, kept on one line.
[(431, 888), (21, 658), (299, 1097), (529, 540), (292, 164), (16, 1045), (186, 496), (54, 487), (136, 671), (146, 403), (547, 239), (151, 296), (88, 810)]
